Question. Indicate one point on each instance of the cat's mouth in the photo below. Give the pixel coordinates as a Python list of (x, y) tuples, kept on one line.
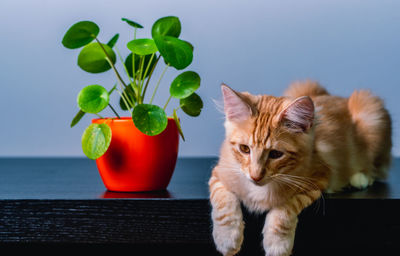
[(259, 183)]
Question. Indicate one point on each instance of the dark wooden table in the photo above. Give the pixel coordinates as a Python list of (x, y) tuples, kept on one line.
[(52, 202)]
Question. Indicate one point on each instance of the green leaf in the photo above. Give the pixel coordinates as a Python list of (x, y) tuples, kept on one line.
[(95, 140), (93, 59), (184, 85), (149, 119), (178, 124), (113, 40), (128, 63), (132, 23), (191, 45), (77, 118), (176, 52), (80, 113), (93, 99), (143, 46), (192, 105), (166, 26), (131, 94), (80, 34)]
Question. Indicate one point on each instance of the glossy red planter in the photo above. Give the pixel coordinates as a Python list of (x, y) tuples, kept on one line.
[(137, 162)]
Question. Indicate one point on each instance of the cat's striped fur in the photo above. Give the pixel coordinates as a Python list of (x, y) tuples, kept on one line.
[(281, 153)]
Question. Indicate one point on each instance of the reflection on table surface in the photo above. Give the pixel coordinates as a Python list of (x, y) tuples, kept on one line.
[(149, 194)]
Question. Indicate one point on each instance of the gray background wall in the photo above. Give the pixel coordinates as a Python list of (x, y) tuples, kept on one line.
[(258, 46)]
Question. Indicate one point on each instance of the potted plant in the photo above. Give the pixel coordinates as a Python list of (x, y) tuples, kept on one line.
[(139, 152)]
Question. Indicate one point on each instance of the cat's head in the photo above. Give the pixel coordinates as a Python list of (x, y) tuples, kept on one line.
[(267, 135)]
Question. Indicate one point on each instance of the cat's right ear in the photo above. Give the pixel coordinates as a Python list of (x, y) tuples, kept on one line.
[(235, 106)]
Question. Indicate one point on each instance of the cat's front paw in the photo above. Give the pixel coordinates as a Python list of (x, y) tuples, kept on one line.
[(278, 246), (228, 237)]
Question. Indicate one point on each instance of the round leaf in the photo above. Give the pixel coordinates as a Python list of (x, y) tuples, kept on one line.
[(184, 85), (149, 119), (93, 99), (167, 26), (191, 46), (176, 52), (192, 105), (132, 23), (95, 140), (80, 34), (93, 59), (128, 63), (143, 46)]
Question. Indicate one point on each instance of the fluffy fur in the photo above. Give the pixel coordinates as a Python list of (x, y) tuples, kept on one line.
[(281, 153)]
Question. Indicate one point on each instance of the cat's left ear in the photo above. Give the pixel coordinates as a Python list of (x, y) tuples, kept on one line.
[(298, 116)]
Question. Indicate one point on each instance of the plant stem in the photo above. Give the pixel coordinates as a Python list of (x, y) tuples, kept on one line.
[(122, 61), (141, 66), (99, 116), (147, 69), (124, 100), (122, 88), (123, 91), (148, 79), (115, 112), (111, 63), (180, 106), (166, 104), (132, 83), (121, 82), (112, 89), (133, 67), (137, 91), (158, 83)]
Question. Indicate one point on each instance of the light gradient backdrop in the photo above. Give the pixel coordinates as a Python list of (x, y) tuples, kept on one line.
[(258, 46)]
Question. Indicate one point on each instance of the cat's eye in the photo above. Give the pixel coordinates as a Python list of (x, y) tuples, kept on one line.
[(244, 149), (275, 154)]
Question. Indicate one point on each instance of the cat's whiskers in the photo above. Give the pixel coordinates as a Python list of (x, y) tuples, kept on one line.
[(304, 183), (301, 186), (303, 178), (278, 183), (284, 182)]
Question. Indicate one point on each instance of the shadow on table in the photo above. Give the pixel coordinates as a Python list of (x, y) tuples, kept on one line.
[(379, 190), (151, 194)]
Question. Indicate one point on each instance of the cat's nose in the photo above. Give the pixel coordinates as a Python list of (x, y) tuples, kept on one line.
[(257, 176)]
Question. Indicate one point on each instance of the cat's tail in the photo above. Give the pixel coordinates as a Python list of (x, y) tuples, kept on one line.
[(305, 88), (373, 127)]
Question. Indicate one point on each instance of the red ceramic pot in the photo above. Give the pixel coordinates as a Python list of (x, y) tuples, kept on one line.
[(135, 161)]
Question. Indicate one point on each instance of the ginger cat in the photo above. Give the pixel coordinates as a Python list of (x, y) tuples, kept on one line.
[(281, 153)]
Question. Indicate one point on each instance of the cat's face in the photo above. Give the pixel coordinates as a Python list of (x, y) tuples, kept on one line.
[(268, 136)]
